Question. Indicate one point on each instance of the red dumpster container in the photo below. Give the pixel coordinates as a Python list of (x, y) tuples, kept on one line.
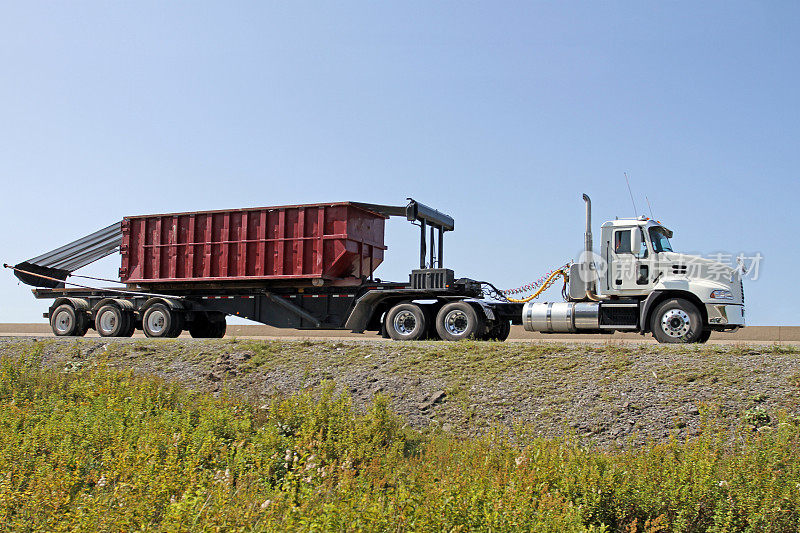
[(299, 242)]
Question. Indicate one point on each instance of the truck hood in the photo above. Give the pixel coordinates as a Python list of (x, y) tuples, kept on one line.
[(698, 274)]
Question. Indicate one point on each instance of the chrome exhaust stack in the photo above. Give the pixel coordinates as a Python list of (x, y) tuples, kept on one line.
[(588, 246), (589, 276)]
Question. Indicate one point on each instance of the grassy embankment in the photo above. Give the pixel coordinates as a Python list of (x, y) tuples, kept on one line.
[(104, 449)]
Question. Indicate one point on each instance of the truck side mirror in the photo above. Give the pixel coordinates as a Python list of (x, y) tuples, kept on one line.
[(636, 240)]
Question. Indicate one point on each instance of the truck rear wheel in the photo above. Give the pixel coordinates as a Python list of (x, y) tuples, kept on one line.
[(458, 320), (160, 322), (676, 321), (66, 321), (500, 331), (406, 322)]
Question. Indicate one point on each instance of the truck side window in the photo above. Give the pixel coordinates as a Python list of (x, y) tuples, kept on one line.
[(622, 241)]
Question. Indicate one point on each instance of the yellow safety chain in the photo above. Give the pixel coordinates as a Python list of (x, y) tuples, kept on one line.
[(561, 272)]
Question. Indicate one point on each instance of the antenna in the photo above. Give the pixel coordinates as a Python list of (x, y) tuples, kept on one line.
[(650, 208), (629, 192)]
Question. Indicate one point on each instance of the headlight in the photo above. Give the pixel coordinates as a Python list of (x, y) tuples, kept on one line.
[(721, 294)]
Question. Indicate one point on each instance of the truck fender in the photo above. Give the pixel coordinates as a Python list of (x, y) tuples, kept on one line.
[(172, 304), (78, 303), (488, 312), (656, 296), (125, 305), (363, 309), (644, 309)]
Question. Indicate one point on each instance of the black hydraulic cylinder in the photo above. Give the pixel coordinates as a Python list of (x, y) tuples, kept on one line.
[(422, 244), (441, 246)]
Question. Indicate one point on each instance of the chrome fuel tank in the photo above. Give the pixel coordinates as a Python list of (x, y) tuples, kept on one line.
[(560, 317)]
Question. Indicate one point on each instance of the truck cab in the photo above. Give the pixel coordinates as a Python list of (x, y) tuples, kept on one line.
[(638, 282)]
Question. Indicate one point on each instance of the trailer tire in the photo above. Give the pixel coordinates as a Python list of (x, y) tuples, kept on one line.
[(406, 322), (178, 324), (111, 321), (66, 321), (218, 329), (200, 328), (159, 321), (676, 321), (205, 327), (457, 321)]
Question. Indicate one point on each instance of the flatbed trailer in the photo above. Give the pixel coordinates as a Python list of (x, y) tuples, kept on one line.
[(174, 286)]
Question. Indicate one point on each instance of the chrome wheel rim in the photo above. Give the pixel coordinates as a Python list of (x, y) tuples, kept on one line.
[(156, 322), (456, 322), (63, 322), (405, 322), (676, 323), (108, 321)]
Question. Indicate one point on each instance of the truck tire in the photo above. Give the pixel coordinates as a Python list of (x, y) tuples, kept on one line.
[(159, 321), (67, 322), (406, 322), (499, 332), (458, 320), (200, 328), (676, 321), (705, 336), (204, 327), (111, 321), (218, 329), (178, 324)]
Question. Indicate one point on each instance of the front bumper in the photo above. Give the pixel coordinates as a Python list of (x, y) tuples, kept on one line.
[(725, 314)]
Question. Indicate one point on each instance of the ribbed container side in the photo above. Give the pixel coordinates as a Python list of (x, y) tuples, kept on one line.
[(323, 241)]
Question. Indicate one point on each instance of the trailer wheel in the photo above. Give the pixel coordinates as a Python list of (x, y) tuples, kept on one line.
[(158, 321), (406, 322), (218, 328), (178, 324), (676, 321), (200, 328), (67, 322), (458, 320), (111, 321), (205, 327)]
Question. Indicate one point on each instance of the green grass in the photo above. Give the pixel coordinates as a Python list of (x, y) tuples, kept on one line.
[(97, 449)]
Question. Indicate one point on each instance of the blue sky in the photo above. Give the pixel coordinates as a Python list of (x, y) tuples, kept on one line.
[(499, 113)]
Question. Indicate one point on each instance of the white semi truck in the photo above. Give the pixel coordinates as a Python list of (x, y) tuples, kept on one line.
[(638, 283)]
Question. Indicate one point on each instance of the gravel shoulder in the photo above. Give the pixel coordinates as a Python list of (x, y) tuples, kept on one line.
[(610, 394)]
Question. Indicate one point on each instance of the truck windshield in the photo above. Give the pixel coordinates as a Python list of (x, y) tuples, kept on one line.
[(660, 240)]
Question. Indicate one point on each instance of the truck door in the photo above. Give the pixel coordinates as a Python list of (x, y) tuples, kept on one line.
[(629, 271)]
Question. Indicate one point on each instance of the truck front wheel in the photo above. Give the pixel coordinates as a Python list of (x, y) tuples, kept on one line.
[(677, 321), (406, 322)]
